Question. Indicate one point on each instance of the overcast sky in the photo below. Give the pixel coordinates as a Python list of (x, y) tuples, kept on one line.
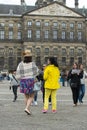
[(69, 3)]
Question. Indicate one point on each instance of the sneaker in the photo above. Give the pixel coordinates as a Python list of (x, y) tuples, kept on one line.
[(54, 111), (81, 102), (35, 103), (75, 105), (44, 111)]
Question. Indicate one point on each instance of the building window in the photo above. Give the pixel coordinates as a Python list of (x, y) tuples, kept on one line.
[(1, 62), (46, 34), (71, 52), (1, 51), (80, 60), (55, 51), (79, 35), (71, 35), (46, 58), (37, 34), (19, 25), (80, 52), (55, 33), (11, 25), (10, 34), (63, 60), (46, 23), (63, 35), (71, 25), (38, 23), (46, 51), (38, 61), (71, 60), (29, 33), (79, 25), (2, 34), (1, 58), (38, 51), (11, 62), (29, 23), (18, 56), (63, 51), (11, 11), (19, 35), (10, 52), (55, 24), (63, 25), (2, 24), (19, 52)]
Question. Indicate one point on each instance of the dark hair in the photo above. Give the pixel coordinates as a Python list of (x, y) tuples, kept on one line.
[(76, 64), (27, 59), (53, 61)]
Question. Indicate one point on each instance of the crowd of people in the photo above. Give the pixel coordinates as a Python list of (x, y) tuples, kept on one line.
[(49, 75)]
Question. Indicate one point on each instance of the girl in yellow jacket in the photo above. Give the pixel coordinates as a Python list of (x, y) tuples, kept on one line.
[(51, 77)]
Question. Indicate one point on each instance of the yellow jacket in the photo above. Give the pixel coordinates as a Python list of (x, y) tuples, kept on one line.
[(51, 77)]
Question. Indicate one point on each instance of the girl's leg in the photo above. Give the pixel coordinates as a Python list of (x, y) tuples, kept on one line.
[(80, 94), (29, 101), (26, 98), (74, 95), (53, 98), (50, 99), (13, 89), (47, 94), (83, 92)]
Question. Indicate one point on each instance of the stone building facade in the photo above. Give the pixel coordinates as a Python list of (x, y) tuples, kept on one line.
[(49, 28)]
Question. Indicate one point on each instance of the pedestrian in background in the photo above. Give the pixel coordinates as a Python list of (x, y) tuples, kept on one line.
[(64, 77), (51, 77), (82, 87), (39, 78), (13, 84), (26, 72), (74, 76)]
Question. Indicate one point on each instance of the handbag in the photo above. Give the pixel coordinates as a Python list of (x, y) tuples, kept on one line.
[(37, 86), (74, 85)]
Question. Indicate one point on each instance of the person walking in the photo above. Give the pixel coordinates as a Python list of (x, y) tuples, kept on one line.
[(26, 72), (74, 77), (14, 84), (51, 77), (82, 87)]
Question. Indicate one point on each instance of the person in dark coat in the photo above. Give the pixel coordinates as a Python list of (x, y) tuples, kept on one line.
[(74, 77)]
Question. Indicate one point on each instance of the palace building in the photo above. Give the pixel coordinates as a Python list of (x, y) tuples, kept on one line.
[(49, 28)]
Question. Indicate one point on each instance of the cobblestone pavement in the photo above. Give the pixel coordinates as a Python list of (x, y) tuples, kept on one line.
[(13, 117)]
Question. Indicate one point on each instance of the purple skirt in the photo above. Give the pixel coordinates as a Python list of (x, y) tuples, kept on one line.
[(27, 85)]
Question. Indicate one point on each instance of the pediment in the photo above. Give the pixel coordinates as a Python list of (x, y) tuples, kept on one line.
[(55, 9)]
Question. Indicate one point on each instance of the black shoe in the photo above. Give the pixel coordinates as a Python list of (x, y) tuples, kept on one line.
[(14, 100), (28, 113)]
